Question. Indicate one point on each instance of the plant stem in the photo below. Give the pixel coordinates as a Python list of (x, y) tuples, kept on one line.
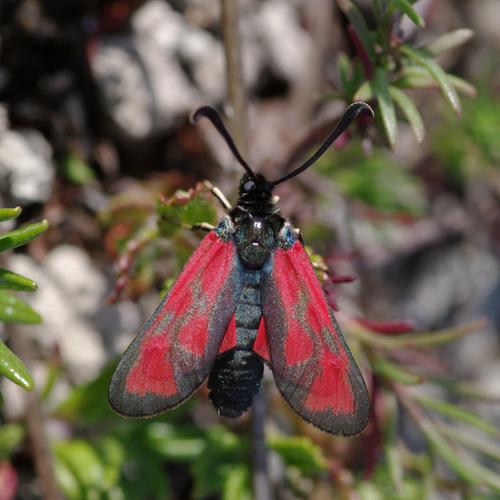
[(261, 487), (234, 75), (237, 103), (42, 455)]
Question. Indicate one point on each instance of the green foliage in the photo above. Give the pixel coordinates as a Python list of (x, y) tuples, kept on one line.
[(376, 180), (12, 308), (76, 170), (472, 149), (299, 452), (386, 66), (185, 209)]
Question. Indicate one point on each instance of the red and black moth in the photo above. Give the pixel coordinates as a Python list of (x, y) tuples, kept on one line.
[(247, 296)]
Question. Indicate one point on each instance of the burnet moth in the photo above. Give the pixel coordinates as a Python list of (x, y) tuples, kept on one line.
[(247, 296)]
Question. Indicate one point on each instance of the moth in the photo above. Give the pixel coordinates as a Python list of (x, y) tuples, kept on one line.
[(248, 296)]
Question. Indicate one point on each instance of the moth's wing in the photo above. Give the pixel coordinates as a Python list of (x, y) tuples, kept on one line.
[(175, 349), (312, 365)]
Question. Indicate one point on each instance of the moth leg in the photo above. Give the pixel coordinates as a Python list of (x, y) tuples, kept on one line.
[(219, 195), (203, 226), (296, 230)]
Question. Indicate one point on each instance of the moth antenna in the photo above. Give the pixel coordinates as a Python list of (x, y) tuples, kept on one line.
[(350, 114), (216, 120)]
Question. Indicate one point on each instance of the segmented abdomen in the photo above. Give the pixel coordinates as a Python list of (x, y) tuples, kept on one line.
[(235, 377)]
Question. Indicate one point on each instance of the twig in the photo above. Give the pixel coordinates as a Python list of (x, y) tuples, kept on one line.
[(42, 455), (261, 487), (234, 75)]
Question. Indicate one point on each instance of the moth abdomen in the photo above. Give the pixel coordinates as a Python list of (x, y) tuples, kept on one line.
[(234, 380)]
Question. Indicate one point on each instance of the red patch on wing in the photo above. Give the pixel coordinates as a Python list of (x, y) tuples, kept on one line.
[(229, 340), (180, 325), (152, 372), (310, 361), (261, 345)]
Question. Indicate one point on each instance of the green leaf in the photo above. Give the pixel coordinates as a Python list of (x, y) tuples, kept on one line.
[(358, 21), (449, 41), (13, 368), (391, 371), (457, 413), (83, 461), (23, 235), (77, 171), (113, 454), (15, 310), (416, 77), (410, 111), (185, 208), (13, 281), (490, 449), (425, 60), (380, 88), (405, 7), (11, 435), (9, 213), (364, 93), (464, 466), (237, 484), (174, 444), (417, 339), (298, 451), (462, 85)]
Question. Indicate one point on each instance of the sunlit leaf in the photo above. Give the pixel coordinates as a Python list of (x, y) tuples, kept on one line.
[(380, 88), (425, 60), (23, 235), (237, 484), (13, 368), (83, 461), (391, 371), (298, 451), (13, 281), (9, 213), (364, 93), (174, 444), (407, 9), (410, 111), (450, 40), (15, 310), (462, 85)]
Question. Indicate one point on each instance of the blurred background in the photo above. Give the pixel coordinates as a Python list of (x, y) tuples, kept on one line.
[(95, 138)]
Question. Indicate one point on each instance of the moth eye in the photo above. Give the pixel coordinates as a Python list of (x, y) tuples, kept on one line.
[(249, 185)]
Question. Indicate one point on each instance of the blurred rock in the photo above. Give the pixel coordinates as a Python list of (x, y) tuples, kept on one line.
[(485, 15), (166, 66), (78, 280), (63, 323), (288, 46), (26, 168)]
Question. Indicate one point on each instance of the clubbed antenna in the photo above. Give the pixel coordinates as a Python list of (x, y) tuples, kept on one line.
[(350, 114), (214, 117)]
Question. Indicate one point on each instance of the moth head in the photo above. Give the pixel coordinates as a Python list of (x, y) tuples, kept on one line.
[(255, 187)]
